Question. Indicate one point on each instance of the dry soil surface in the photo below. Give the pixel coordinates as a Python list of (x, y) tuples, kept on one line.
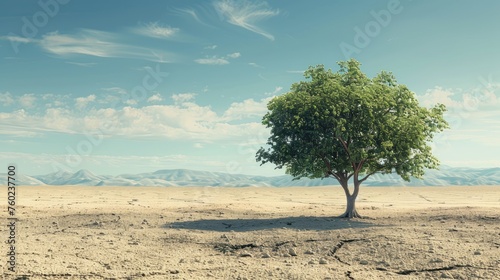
[(73, 232)]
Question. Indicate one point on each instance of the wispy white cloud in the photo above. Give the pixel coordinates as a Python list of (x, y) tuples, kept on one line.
[(234, 55), (130, 102), (93, 43), (183, 97), (97, 43), (275, 91), (473, 116), (6, 99), (184, 119), (198, 145), (295, 71), (248, 108), (246, 14), (156, 30), (253, 64), (18, 39), (27, 100), (214, 60), (55, 100), (190, 13), (440, 95), (467, 100), (211, 47), (155, 98), (82, 102), (16, 131), (464, 107), (117, 90), (83, 64), (87, 42)]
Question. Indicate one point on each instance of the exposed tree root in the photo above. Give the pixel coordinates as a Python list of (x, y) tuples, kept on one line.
[(350, 215)]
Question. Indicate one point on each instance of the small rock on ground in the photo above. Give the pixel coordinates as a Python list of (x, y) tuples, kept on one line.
[(246, 255)]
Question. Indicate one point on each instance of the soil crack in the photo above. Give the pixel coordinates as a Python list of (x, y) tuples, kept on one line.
[(226, 247), (338, 246), (341, 261), (341, 243), (348, 275), (410, 271)]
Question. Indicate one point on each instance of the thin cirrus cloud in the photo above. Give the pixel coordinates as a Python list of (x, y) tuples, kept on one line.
[(17, 39), (246, 14), (210, 47), (83, 64), (215, 60), (253, 64), (156, 30), (97, 43), (189, 12)]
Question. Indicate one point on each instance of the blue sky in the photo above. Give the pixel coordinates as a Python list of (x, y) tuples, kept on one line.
[(136, 86)]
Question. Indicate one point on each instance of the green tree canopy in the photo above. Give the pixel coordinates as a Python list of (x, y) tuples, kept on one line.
[(346, 125)]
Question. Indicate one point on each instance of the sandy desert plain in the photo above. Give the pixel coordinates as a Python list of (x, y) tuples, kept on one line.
[(75, 232)]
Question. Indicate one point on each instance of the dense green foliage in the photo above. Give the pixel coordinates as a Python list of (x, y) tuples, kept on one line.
[(345, 124)]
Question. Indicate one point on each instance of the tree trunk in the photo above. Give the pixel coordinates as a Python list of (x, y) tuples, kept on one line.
[(350, 211)]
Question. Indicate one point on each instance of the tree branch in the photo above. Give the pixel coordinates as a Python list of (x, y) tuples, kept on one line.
[(335, 176), (340, 176), (329, 166), (346, 148), (388, 110), (361, 165), (354, 168), (366, 177)]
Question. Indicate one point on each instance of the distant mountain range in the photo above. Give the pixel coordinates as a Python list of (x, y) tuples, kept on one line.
[(446, 176)]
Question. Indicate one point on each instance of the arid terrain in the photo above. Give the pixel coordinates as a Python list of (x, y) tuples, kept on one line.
[(254, 233)]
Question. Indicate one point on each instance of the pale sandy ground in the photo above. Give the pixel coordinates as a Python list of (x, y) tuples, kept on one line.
[(223, 233)]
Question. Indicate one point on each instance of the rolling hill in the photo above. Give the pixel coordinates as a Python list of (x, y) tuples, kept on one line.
[(183, 177)]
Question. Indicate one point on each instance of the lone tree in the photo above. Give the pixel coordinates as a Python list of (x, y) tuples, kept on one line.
[(347, 126)]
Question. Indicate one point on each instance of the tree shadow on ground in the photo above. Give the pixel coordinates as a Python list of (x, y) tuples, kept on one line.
[(243, 225)]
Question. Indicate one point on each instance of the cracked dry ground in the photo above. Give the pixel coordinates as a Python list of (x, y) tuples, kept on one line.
[(193, 234)]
